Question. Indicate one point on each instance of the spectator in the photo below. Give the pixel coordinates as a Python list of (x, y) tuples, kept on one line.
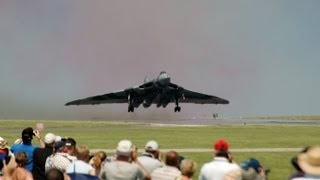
[(309, 162), (187, 168), (97, 164), (40, 156), (102, 155), (60, 159), (81, 165), (26, 146), (221, 165), (4, 149), (252, 170), (122, 168), (20, 173), (97, 161), (151, 158), (171, 169)]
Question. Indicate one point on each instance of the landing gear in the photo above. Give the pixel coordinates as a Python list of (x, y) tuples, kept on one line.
[(177, 109), (130, 108)]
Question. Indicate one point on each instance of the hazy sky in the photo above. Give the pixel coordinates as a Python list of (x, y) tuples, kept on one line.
[(263, 56)]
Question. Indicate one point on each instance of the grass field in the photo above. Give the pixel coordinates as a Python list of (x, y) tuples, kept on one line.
[(105, 135)]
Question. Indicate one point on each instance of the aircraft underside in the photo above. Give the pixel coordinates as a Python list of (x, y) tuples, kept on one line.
[(161, 100)]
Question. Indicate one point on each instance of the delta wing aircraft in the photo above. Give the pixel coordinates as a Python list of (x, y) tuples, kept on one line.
[(159, 91)]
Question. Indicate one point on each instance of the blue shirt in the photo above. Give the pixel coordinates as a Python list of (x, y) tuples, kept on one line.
[(28, 149)]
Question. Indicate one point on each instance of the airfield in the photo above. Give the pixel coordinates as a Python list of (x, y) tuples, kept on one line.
[(273, 141)]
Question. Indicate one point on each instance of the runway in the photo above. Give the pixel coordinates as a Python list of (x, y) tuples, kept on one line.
[(222, 121), (211, 150)]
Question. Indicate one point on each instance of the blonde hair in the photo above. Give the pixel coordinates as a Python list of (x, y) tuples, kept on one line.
[(83, 152), (188, 167)]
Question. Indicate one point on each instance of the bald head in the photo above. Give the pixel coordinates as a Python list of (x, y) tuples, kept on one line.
[(172, 159)]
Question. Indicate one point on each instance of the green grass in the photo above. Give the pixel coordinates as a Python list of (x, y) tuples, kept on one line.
[(103, 134)]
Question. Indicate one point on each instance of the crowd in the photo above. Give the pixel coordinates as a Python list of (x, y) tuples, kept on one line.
[(60, 158)]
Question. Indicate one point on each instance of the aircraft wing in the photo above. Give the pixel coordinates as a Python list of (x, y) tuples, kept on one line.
[(114, 97), (199, 98)]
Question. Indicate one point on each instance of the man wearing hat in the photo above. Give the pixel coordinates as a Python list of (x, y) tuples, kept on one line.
[(252, 170), (150, 159), (122, 168), (221, 165), (309, 162), (65, 155), (40, 155), (26, 146)]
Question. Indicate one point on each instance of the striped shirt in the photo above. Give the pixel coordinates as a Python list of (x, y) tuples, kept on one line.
[(60, 161)]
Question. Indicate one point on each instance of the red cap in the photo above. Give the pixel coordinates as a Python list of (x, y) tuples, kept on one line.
[(221, 145)]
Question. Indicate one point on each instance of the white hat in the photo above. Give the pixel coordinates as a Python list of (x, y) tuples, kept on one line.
[(152, 146), (49, 138), (124, 148), (58, 138)]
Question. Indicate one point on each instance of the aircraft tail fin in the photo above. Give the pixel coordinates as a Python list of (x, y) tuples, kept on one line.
[(145, 79)]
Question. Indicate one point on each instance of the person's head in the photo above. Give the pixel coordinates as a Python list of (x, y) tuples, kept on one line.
[(152, 147), (187, 167), (172, 159), (49, 139), (102, 155), (27, 135), (60, 146), (124, 149), (83, 153), (251, 163), (223, 154), (21, 159), (309, 161), (95, 162), (71, 146), (54, 174)]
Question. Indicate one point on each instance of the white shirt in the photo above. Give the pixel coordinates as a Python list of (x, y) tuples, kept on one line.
[(79, 166), (59, 160), (166, 173), (149, 163), (217, 169)]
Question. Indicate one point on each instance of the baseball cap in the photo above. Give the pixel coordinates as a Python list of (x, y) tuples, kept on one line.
[(3, 143), (251, 163), (27, 134), (221, 145), (59, 144), (70, 142), (124, 148), (49, 138), (152, 146)]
